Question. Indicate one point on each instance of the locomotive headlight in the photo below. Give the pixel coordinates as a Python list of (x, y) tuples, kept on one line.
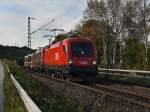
[(94, 62), (70, 61)]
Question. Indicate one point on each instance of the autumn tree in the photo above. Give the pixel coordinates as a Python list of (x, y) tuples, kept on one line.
[(116, 26)]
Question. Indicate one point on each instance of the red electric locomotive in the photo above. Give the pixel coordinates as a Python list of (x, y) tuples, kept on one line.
[(74, 56)]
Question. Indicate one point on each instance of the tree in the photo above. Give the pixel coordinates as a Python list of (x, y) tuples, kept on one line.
[(124, 21), (60, 37), (14, 53), (133, 58), (99, 11)]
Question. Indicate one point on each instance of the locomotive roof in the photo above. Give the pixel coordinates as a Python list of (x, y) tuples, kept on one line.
[(78, 38), (72, 39)]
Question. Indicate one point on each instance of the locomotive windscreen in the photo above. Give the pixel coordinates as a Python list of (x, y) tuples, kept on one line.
[(82, 49)]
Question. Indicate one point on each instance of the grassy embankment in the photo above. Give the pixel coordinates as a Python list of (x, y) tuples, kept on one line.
[(129, 79), (12, 100), (47, 100)]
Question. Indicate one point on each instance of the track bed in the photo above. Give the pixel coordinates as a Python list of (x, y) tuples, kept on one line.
[(104, 95)]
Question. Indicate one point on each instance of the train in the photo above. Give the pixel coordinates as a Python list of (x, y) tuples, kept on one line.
[(75, 56)]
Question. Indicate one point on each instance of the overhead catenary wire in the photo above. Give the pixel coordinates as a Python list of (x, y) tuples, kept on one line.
[(58, 28), (52, 20), (56, 19), (43, 26), (74, 18)]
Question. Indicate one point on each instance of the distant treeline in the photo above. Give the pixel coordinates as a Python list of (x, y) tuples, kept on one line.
[(14, 53)]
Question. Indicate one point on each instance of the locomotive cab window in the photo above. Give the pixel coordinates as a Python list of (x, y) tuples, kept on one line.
[(82, 49)]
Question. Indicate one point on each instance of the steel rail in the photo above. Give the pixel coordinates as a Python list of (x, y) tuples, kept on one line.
[(126, 93), (122, 70), (127, 96)]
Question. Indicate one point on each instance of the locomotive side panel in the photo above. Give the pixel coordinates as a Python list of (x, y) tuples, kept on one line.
[(55, 56), (75, 56)]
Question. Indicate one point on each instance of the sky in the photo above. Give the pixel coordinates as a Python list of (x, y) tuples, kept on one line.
[(14, 15)]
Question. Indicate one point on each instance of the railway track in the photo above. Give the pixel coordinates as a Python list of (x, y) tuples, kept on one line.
[(131, 96), (139, 99), (125, 93)]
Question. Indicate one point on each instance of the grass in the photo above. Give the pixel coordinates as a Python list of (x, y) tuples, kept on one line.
[(47, 101), (12, 100), (129, 79)]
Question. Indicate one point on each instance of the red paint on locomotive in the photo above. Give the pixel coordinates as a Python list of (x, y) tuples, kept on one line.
[(55, 55), (76, 54)]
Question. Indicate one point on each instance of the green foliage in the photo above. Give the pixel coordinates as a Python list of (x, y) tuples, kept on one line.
[(60, 37), (78, 29), (136, 58), (14, 53), (48, 101), (148, 56), (13, 102), (129, 79)]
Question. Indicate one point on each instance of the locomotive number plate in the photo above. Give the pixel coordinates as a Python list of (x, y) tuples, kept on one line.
[(83, 62)]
